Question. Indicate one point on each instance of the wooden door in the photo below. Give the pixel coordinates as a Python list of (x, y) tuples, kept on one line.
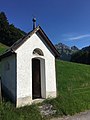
[(36, 79)]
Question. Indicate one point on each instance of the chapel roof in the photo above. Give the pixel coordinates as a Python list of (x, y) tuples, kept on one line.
[(22, 40)]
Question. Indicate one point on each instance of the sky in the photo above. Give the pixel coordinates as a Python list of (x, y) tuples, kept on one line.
[(65, 21)]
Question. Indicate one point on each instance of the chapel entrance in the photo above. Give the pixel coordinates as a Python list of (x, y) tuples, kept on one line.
[(36, 79)]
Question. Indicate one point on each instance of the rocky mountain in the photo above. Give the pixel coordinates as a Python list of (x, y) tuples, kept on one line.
[(74, 48), (65, 51)]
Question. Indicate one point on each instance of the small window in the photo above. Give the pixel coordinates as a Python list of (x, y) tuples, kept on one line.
[(38, 51)]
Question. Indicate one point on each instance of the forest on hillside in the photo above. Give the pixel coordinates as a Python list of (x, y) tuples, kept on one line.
[(8, 32), (82, 56)]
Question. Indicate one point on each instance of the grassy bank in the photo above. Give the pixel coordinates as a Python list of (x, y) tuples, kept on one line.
[(9, 112), (73, 86), (2, 48), (73, 89)]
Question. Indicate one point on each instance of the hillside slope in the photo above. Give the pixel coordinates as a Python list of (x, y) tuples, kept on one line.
[(82, 56), (8, 32), (3, 48), (73, 85)]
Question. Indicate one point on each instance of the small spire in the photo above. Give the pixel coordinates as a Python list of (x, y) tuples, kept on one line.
[(34, 23)]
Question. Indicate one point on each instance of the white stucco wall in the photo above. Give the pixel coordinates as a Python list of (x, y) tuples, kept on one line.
[(8, 76), (24, 68)]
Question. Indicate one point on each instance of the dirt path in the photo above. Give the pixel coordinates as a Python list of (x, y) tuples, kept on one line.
[(81, 116)]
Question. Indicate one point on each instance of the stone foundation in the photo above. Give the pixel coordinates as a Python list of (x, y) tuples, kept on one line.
[(52, 94), (28, 100), (23, 101)]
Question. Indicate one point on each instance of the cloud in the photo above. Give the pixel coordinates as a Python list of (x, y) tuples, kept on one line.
[(79, 37)]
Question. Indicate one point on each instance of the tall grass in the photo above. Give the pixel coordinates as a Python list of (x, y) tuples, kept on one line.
[(73, 87)]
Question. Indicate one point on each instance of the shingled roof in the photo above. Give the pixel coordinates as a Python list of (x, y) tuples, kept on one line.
[(18, 43)]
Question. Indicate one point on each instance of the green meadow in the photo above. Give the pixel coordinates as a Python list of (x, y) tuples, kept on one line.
[(2, 48)]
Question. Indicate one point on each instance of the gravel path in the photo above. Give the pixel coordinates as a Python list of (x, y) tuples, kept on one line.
[(81, 116)]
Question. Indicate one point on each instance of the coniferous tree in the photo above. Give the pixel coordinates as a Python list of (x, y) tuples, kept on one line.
[(82, 56), (8, 33)]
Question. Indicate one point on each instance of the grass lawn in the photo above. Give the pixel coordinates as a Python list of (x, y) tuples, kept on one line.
[(73, 85), (2, 48), (73, 89)]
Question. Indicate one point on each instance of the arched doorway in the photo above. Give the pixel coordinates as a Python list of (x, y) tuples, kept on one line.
[(36, 79)]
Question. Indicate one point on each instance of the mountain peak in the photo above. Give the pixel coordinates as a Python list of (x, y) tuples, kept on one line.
[(65, 51), (74, 48)]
